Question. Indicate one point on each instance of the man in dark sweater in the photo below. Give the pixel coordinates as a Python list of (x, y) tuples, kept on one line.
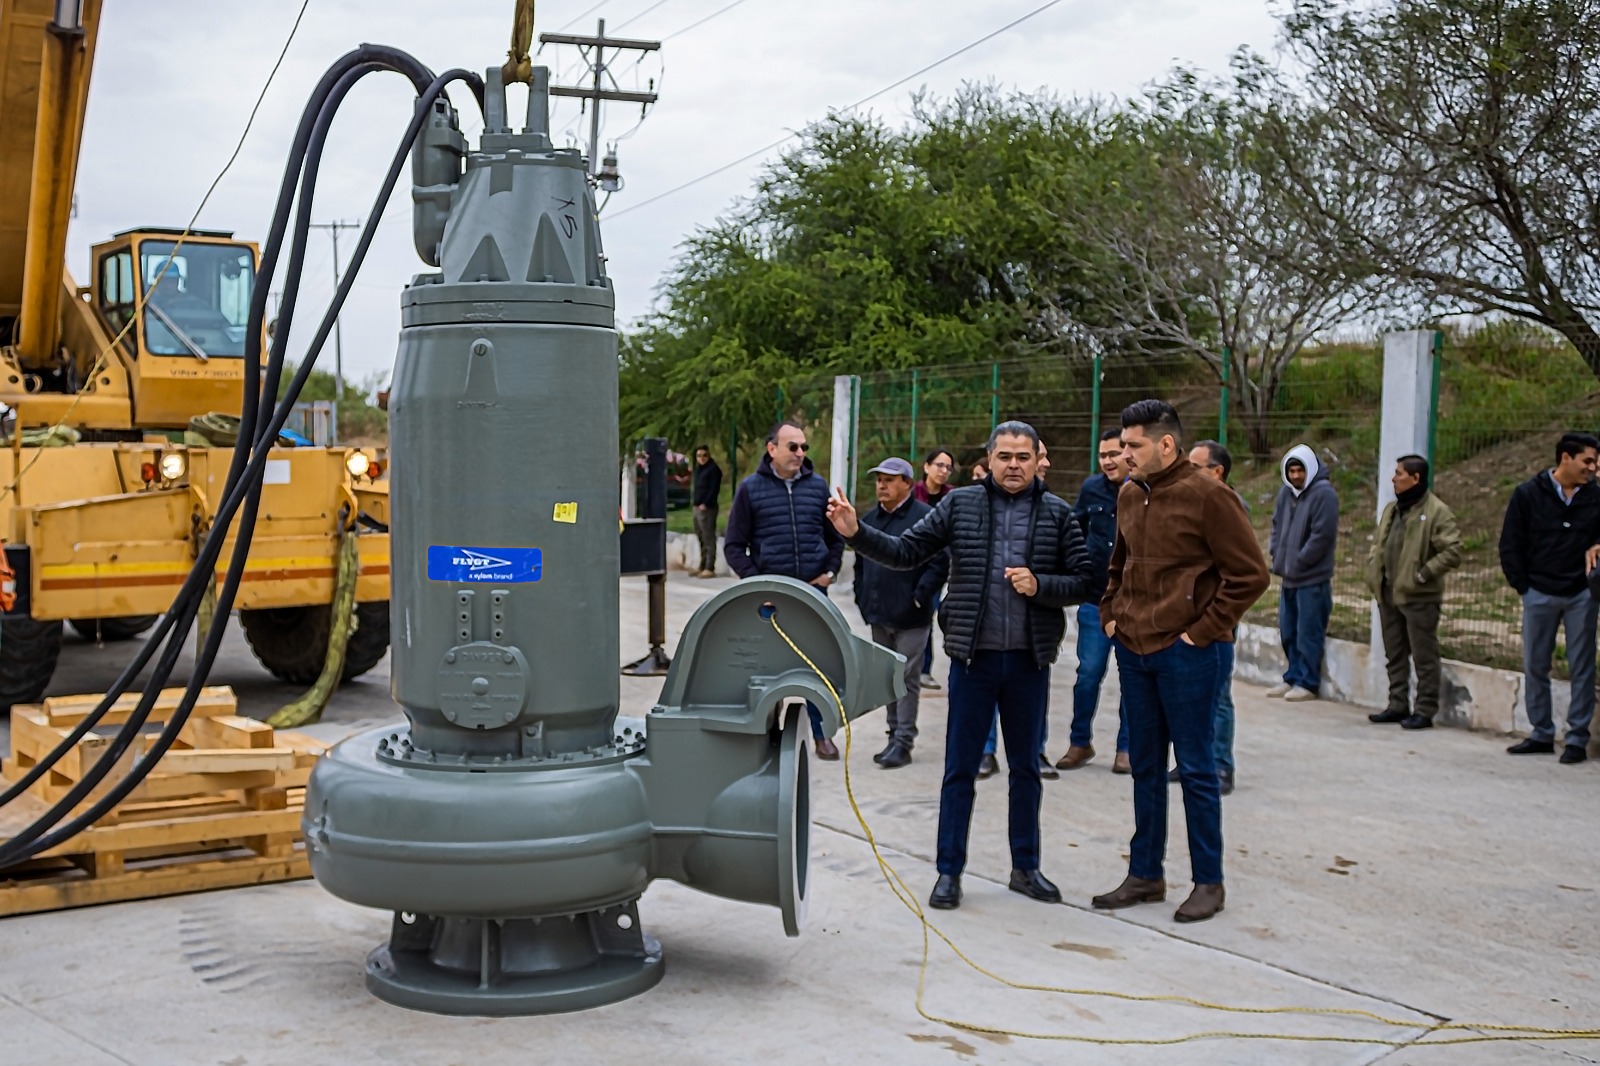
[(1016, 562), (1547, 546), (1305, 529), (1185, 569), (899, 604), (1096, 512), (778, 524), (707, 489)]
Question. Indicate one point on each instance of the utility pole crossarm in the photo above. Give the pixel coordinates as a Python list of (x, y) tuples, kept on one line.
[(600, 40), (623, 95)]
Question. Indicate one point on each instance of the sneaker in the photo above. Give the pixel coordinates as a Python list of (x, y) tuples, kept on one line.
[(1297, 694), (1278, 691), (929, 684)]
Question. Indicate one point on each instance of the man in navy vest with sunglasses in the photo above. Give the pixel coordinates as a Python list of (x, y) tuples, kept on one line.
[(779, 526)]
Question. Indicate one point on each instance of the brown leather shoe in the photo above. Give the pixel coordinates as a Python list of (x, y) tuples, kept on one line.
[(1132, 890), (1075, 757), (1121, 765), (827, 749), (1204, 902)]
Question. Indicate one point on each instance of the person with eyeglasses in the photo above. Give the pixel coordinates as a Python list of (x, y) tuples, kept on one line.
[(934, 486), (778, 525)]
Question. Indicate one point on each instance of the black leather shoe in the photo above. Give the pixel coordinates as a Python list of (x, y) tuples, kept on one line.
[(1388, 717), (1032, 883), (1532, 747), (1047, 770), (1225, 781), (896, 755), (1173, 775), (946, 893), (887, 748), (988, 767), (1416, 721), (1573, 753)]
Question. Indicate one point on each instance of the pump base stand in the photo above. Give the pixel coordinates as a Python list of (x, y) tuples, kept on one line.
[(516, 966), (654, 664)]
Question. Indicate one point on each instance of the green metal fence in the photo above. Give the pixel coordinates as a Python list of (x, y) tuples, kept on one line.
[(1502, 399)]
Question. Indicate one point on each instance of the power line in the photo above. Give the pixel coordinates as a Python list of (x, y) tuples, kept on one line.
[(581, 15), (701, 22), (845, 110), (640, 15)]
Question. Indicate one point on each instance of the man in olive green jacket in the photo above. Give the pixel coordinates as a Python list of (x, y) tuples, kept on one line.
[(1417, 544)]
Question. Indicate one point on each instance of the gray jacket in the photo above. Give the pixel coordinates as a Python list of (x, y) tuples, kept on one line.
[(1305, 525)]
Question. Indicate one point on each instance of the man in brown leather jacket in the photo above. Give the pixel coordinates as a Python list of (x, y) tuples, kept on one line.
[(1185, 568)]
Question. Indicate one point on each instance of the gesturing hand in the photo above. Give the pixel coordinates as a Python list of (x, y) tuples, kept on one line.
[(842, 513), (1022, 580)]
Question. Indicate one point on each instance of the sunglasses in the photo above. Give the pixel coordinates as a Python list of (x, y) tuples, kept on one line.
[(801, 447)]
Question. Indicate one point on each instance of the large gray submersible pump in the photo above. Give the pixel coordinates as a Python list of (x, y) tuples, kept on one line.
[(512, 826)]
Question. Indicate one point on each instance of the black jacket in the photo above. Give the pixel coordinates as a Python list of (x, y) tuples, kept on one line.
[(1542, 540), (962, 524), (899, 599), (1096, 512), (779, 527), (707, 484)]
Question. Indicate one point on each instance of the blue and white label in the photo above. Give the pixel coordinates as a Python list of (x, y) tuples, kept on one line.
[(507, 566)]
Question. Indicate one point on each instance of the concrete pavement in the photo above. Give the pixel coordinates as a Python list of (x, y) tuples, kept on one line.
[(1416, 875)]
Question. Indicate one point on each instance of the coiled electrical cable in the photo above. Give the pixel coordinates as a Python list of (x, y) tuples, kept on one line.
[(242, 489)]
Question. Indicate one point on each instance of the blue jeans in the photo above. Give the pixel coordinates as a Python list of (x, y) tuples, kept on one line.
[(1222, 747), (1303, 623), (1094, 655), (1168, 698), (927, 653), (992, 743), (1541, 616), (1011, 681)]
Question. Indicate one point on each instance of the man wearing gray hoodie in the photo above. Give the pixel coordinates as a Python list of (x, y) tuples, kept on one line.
[(1305, 529)]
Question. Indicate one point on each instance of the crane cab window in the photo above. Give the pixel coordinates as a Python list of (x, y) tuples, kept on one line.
[(199, 301), (117, 291)]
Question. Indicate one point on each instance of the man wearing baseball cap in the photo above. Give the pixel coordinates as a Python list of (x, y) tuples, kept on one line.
[(898, 604)]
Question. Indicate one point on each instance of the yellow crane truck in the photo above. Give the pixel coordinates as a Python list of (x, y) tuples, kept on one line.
[(104, 490)]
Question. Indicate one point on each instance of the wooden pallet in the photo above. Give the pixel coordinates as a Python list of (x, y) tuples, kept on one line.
[(222, 808)]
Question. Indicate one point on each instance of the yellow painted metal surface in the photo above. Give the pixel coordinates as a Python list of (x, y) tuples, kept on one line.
[(22, 52), (105, 545)]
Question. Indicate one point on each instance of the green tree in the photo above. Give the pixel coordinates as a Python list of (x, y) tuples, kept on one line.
[(1476, 124)]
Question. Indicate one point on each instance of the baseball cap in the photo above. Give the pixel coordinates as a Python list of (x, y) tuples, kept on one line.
[(896, 466)]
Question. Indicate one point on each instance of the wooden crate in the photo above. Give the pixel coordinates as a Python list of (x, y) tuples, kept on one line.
[(221, 809)]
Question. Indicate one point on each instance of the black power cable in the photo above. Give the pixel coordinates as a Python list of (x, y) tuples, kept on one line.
[(193, 586), (245, 474)]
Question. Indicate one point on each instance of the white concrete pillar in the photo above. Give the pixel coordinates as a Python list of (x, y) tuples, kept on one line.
[(1407, 405), (842, 455)]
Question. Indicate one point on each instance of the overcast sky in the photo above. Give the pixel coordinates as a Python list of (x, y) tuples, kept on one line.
[(174, 81)]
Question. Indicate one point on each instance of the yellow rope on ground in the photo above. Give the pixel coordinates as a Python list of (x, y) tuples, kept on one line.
[(309, 707), (1477, 1032)]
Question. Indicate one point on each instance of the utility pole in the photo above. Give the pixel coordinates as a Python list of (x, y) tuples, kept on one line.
[(333, 229), (596, 90)]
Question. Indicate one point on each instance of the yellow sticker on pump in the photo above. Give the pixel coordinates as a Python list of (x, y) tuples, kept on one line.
[(566, 512)]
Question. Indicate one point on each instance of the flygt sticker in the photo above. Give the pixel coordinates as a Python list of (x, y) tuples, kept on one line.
[(450, 562)]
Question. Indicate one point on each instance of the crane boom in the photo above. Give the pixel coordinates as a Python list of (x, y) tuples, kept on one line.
[(46, 54)]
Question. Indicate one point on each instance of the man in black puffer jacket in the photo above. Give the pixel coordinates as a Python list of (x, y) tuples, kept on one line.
[(1017, 560), (778, 524)]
